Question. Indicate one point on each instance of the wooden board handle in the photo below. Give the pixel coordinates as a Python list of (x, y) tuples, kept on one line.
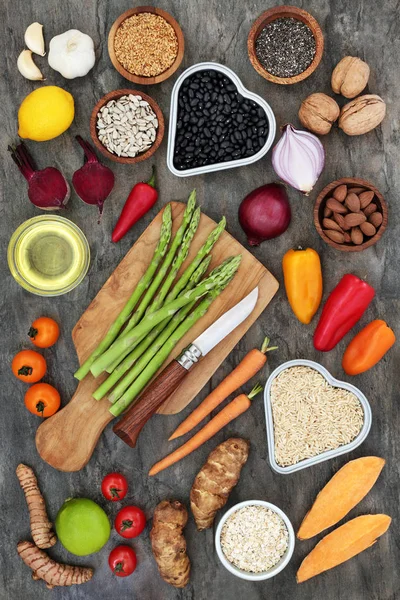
[(131, 424)]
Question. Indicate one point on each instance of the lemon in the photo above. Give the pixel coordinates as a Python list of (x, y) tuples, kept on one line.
[(45, 113), (82, 526)]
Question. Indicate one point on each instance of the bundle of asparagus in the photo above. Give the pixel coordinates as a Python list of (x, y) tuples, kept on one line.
[(160, 311)]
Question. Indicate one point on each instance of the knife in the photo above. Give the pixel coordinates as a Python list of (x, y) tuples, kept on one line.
[(131, 424)]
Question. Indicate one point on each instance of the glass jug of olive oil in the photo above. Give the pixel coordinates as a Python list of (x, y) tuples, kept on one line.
[(48, 255)]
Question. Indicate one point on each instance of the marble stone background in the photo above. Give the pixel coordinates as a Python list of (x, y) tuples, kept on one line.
[(214, 30)]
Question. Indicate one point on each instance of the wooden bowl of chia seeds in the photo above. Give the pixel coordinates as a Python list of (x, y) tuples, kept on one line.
[(285, 44), (146, 45), (127, 126)]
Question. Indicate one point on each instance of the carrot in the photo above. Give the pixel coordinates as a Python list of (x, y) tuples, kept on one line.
[(342, 493), (343, 543), (246, 369), (232, 410)]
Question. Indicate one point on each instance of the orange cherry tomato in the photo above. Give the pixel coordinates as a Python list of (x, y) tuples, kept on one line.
[(44, 332), (29, 366), (42, 400)]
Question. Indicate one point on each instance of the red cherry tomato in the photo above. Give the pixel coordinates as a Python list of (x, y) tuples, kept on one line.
[(114, 487), (130, 521), (122, 561)]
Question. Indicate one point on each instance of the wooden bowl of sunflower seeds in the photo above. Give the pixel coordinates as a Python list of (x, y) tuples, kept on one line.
[(350, 214), (127, 126), (146, 45)]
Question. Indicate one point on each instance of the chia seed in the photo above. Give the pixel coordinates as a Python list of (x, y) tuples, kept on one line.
[(285, 47)]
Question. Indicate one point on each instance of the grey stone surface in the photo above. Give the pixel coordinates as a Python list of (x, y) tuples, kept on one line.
[(214, 30)]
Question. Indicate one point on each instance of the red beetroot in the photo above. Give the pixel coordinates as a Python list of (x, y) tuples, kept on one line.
[(265, 213), (142, 197)]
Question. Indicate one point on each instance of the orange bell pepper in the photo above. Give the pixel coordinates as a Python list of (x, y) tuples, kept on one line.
[(303, 282), (368, 347)]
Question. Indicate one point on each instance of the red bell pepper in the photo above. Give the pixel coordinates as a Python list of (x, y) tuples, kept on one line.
[(345, 306), (142, 197)]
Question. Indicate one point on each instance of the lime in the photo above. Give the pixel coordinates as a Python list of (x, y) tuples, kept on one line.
[(45, 113), (82, 526)]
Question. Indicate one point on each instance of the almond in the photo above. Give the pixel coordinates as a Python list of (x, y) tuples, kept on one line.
[(335, 236), (347, 237), (340, 221), (340, 193), (355, 190), (368, 210), (368, 228), (352, 202), (336, 206), (356, 236), (376, 219), (331, 224), (327, 212), (354, 219), (366, 198)]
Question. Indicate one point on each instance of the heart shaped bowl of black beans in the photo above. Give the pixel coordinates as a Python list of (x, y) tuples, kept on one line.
[(215, 122)]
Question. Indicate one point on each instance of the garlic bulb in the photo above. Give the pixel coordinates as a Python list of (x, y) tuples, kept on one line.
[(27, 67), (298, 158), (72, 54), (34, 38)]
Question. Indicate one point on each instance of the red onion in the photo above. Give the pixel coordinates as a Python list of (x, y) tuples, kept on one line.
[(298, 158), (93, 182), (48, 188), (265, 213)]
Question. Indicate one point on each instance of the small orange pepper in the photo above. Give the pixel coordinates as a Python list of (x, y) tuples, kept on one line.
[(303, 282), (368, 347)]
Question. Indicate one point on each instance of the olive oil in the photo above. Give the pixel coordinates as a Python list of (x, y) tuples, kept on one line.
[(48, 255)]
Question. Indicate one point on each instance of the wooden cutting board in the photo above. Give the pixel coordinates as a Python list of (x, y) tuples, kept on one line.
[(66, 441)]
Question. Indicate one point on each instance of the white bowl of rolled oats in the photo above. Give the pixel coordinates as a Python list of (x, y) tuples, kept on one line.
[(255, 540)]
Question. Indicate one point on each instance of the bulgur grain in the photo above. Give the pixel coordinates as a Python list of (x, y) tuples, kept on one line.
[(146, 44)]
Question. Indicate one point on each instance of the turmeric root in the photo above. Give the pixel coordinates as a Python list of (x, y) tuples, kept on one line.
[(216, 479), (50, 571), (42, 534), (168, 542)]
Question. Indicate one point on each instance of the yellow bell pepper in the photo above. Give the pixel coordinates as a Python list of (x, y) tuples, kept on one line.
[(303, 282)]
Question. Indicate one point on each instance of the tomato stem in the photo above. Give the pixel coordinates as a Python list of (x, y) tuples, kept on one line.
[(115, 492), (25, 370), (40, 406), (127, 524), (119, 567), (32, 332)]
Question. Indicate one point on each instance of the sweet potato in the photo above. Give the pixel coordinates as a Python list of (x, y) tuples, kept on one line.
[(342, 493), (216, 479), (343, 543)]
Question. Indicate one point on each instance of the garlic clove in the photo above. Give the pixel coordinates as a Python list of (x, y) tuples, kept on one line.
[(34, 38), (27, 67)]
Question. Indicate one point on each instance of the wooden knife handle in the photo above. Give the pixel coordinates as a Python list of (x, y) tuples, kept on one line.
[(131, 424)]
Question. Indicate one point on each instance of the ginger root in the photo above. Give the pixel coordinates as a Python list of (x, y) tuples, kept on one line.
[(216, 479), (168, 542), (42, 534), (52, 572)]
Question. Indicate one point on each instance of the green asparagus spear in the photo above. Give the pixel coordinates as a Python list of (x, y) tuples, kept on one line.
[(135, 354), (149, 321), (175, 334), (163, 270), (204, 251), (143, 284), (159, 299)]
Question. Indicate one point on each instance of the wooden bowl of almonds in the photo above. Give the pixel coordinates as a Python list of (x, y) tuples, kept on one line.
[(127, 126), (350, 214), (146, 45)]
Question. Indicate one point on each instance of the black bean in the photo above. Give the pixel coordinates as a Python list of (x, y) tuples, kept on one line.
[(249, 143), (193, 120), (207, 132), (197, 142), (225, 144), (261, 141), (206, 112), (232, 138), (245, 107), (194, 86), (220, 99), (249, 132), (194, 102), (214, 139), (261, 131), (207, 149), (202, 155), (209, 85), (227, 98), (186, 118), (206, 97), (236, 153), (218, 130), (191, 93), (179, 124), (221, 152), (189, 148), (188, 135), (214, 96), (208, 104), (231, 87), (184, 143), (239, 118), (262, 122), (195, 129), (238, 135), (213, 153), (201, 122), (219, 118), (213, 109)]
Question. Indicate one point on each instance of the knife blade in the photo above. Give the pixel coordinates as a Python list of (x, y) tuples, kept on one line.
[(131, 424)]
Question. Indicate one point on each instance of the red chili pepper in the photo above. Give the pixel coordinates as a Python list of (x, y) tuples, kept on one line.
[(142, 197), (345, 306)]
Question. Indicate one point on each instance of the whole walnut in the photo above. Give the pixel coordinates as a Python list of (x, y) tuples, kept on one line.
[(350, 76), (362, 114), (318, 112)]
